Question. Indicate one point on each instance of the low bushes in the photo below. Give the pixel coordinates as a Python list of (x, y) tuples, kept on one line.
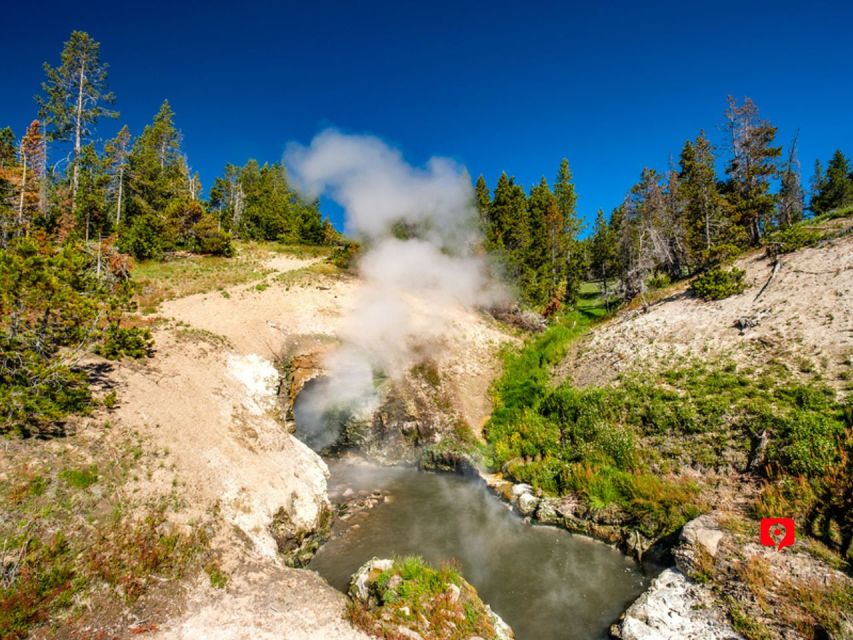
[(718, 283)]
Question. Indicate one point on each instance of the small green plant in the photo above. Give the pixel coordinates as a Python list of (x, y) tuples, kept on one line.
[(262, 286), (218, 578), (110, 400), (718, 283), (81, 478)]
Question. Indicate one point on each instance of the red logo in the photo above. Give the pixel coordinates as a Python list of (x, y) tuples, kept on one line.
[(777, 532)]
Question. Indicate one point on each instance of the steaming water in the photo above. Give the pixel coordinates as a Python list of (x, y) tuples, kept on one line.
[(544, 582)]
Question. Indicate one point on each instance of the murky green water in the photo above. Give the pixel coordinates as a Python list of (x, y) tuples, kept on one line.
[(544, 582)]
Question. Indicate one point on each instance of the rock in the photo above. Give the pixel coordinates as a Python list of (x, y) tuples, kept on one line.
[(360, 591), (548, 511), (358, 587), (298, 543), (454, 592), (527, 503), (521, 488), (674, 608), (502, 629), (408, 633), (703, 531)]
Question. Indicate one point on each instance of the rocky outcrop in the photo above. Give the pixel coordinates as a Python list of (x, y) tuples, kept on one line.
[(674, 608), (386, 616)]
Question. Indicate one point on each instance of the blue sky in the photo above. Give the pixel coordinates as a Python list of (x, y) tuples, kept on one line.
[(511, 86)]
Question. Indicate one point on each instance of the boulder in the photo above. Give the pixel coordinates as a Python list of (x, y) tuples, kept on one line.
[(674, 608), (527, 503), (703, 532)]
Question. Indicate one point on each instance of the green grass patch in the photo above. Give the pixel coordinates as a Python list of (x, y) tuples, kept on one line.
[(81, 478)]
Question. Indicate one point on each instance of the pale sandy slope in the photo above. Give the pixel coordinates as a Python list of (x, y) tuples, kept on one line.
[(804, 319), (208, 397)]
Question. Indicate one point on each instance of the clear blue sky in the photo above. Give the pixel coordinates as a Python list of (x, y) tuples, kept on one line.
[(514, 86)]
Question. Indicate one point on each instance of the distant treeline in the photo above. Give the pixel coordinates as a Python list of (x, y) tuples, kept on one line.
[(139, 192), (671, 225)]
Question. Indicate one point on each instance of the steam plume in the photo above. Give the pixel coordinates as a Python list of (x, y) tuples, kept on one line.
[(418, 229)]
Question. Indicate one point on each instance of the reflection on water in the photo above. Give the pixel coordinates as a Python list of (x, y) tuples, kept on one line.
[(544, 582)]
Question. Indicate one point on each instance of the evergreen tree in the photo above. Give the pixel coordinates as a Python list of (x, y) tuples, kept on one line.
[(509, 235), (31, 193), (564, 191), (835, 189), (157, 188), (91, 210), (752, 166), (7, 148), (75, 97), (484, 200), (602, 250), (643, 242), (541, 208), (705, 221), (9, 175)]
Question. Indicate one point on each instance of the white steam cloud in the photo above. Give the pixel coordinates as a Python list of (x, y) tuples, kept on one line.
[(413, 281)]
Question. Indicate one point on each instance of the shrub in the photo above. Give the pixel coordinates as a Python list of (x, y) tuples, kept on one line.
[(133, 342), (807, 443), (143, 239), (793, 238), (658, 281), (345, 256), (209, 239), (718, 283)]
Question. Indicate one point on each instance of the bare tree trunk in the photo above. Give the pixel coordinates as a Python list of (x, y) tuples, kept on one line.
[(78, 134), (120, 189), (23, 188)]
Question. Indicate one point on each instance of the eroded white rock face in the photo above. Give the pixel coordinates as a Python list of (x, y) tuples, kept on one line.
[(674, 608), (263, 468), (259, 378)]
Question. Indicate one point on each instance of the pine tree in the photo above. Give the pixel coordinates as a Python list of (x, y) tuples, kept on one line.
[(705, 221), (7, 148), (31, 187), (752, 165), (75, 95), (575, 264), (836, 187), (644, 245), (9, 176), (91, 210), (484, 200), (791, 191), (509, 234), (157, 173), (602, 249), (542, 253)]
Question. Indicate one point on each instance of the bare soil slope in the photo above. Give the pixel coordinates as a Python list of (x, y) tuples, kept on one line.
[(804, 318)]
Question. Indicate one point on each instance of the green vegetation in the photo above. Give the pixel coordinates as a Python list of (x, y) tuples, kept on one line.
[(63, 546), (56, 302), (718, 283), (624, 445), (435, 603)]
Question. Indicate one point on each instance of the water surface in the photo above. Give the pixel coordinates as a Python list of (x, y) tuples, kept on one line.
[(544, 582)]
